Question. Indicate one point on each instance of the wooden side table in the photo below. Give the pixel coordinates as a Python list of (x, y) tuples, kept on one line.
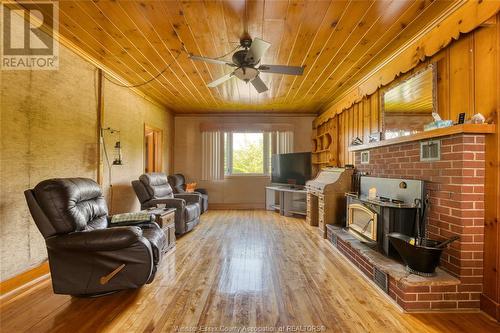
[(166, 220)]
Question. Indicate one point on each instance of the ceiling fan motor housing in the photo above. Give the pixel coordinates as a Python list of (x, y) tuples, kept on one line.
[(246, 42), (239, 58)]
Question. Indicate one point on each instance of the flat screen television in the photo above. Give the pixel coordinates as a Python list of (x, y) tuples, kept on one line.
[(291, 169)]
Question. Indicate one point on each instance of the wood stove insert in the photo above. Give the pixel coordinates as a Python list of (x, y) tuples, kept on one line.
[(393, 209)]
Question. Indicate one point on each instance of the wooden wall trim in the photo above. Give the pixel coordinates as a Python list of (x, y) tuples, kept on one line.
[(24, 279), (439, 34), (491, 307), (100, 122), (490, 297)]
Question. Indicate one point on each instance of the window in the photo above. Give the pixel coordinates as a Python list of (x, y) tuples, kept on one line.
[(247, 153), (228, 152)]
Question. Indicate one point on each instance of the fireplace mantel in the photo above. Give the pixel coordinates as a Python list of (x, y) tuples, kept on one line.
[(440, 132)]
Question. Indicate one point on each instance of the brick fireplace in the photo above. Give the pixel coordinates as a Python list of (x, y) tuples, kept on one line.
[(455, 184)]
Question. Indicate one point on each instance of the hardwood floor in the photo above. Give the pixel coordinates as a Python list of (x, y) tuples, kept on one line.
[(237, 268)]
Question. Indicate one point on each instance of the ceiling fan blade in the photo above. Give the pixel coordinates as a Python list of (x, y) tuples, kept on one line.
[(220, 80), (259, 85), (256, 50), (280, 69), (210, 60)]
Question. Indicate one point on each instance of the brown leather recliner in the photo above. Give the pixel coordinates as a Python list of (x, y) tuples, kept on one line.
[(178, 183), (83, 251), (153, 189)]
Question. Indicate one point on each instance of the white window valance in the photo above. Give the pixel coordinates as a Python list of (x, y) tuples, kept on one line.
[(245, 127)]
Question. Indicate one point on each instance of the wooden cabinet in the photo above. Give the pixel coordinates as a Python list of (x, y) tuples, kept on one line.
[(326, 198), (166, 220)]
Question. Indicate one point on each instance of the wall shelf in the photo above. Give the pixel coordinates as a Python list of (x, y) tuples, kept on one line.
[(322, 142), (440, 132)]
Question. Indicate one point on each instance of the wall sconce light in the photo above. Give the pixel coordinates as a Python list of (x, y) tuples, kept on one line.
[(117, 158), (118, 154)]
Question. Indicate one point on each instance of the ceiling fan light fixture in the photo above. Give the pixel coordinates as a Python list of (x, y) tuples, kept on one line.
[(246, 61), (246, 73)]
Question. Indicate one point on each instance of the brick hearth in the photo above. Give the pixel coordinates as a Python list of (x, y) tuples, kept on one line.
[(456, 187), (411, 292)]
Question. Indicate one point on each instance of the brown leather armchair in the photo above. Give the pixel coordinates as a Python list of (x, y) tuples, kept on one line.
[(85, 256), (153, 189), (178, 183)]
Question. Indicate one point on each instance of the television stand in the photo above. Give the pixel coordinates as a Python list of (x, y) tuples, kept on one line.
[(292, 201), (290, 187)]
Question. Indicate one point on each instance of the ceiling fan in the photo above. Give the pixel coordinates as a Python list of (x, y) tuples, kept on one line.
[(245, 62)]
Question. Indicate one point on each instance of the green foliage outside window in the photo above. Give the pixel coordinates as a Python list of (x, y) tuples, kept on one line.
[(249, 159), (247, 152)]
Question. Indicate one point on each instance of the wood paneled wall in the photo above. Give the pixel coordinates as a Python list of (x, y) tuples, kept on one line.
[(468, 81), (466, 71)]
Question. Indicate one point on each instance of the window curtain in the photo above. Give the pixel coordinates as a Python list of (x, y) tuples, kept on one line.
[(283, 142), (212, 155), (277, 142)]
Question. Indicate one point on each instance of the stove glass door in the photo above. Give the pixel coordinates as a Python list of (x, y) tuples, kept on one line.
[(363, 221)]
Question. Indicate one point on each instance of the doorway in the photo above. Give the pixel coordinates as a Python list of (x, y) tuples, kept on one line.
[(153, 147)]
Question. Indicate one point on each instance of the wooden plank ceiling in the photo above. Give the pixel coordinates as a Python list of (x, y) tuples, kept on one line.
[(338, 42)]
